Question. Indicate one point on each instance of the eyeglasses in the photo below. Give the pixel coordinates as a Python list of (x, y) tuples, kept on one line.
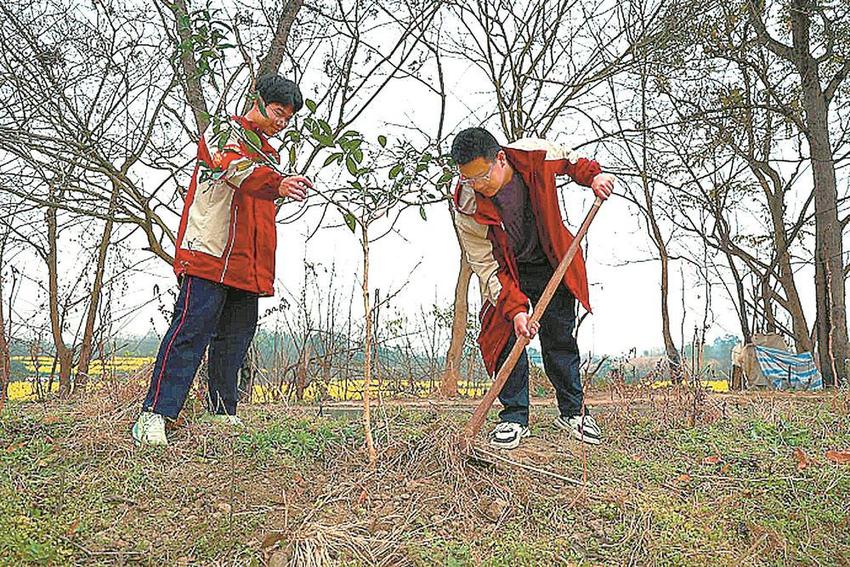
[(478, 179), (282, 115)]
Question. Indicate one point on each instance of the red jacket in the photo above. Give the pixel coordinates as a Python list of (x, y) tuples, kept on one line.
[(227, 231), (485, 242)]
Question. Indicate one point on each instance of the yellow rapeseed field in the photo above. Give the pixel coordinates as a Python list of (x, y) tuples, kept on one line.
[(42, 365), (115, 364), (351, 390), (713, 385)]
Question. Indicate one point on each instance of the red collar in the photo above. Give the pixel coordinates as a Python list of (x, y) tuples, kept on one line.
[(245, 123)]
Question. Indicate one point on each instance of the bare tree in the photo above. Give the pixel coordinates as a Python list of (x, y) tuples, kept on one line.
[(740, 129), (5, 333), (708, 118), (87, 342), (89, 126), (81, 116), (816, 45), (634, 143)]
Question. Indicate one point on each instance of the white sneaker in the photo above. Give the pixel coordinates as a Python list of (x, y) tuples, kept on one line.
[(149, 429), (224, 419), (507, 435), (584, 429)]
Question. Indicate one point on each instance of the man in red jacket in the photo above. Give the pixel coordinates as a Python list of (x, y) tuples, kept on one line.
[(513, 235), (225, 259)]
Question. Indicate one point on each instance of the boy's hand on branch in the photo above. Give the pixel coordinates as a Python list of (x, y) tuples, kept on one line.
[(294, 187), (603, 185), (523, 327)]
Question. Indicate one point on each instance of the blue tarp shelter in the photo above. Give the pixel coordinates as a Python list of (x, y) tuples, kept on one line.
[(788, 371)]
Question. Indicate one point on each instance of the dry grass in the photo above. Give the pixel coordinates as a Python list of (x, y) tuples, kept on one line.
[(296, 489)]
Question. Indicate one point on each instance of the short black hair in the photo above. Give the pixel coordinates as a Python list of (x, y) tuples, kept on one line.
[(474, 143), (274, 88)]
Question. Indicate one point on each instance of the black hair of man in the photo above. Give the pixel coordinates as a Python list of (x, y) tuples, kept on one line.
[(274, 88), (474, 143)]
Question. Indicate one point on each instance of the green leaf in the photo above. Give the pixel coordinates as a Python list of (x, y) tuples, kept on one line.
[(332, 158), (350, 221), (326, 141), (357, 154), (382, 140), (311, 105), (395, 170), (262, 106), (253, 138), (326, 128), (351, 165), (422, 213), (292, 155)]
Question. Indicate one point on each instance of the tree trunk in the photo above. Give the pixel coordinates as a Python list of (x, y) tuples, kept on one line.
[(829, 277), (5, 359), (86, 345), (277, 48), (248, 373), (831, 315), (191, 78), (666, 333), (301, 371), (63, 354), (451, 372), (367, 349), (767, 300), (741, 308), (657, 239), (799, 326)]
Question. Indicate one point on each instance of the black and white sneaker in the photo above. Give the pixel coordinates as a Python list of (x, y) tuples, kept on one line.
[(583, 429), (507, 435)]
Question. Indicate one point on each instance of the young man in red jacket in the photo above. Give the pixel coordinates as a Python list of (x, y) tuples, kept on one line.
[(513, 235), (224, 261)]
